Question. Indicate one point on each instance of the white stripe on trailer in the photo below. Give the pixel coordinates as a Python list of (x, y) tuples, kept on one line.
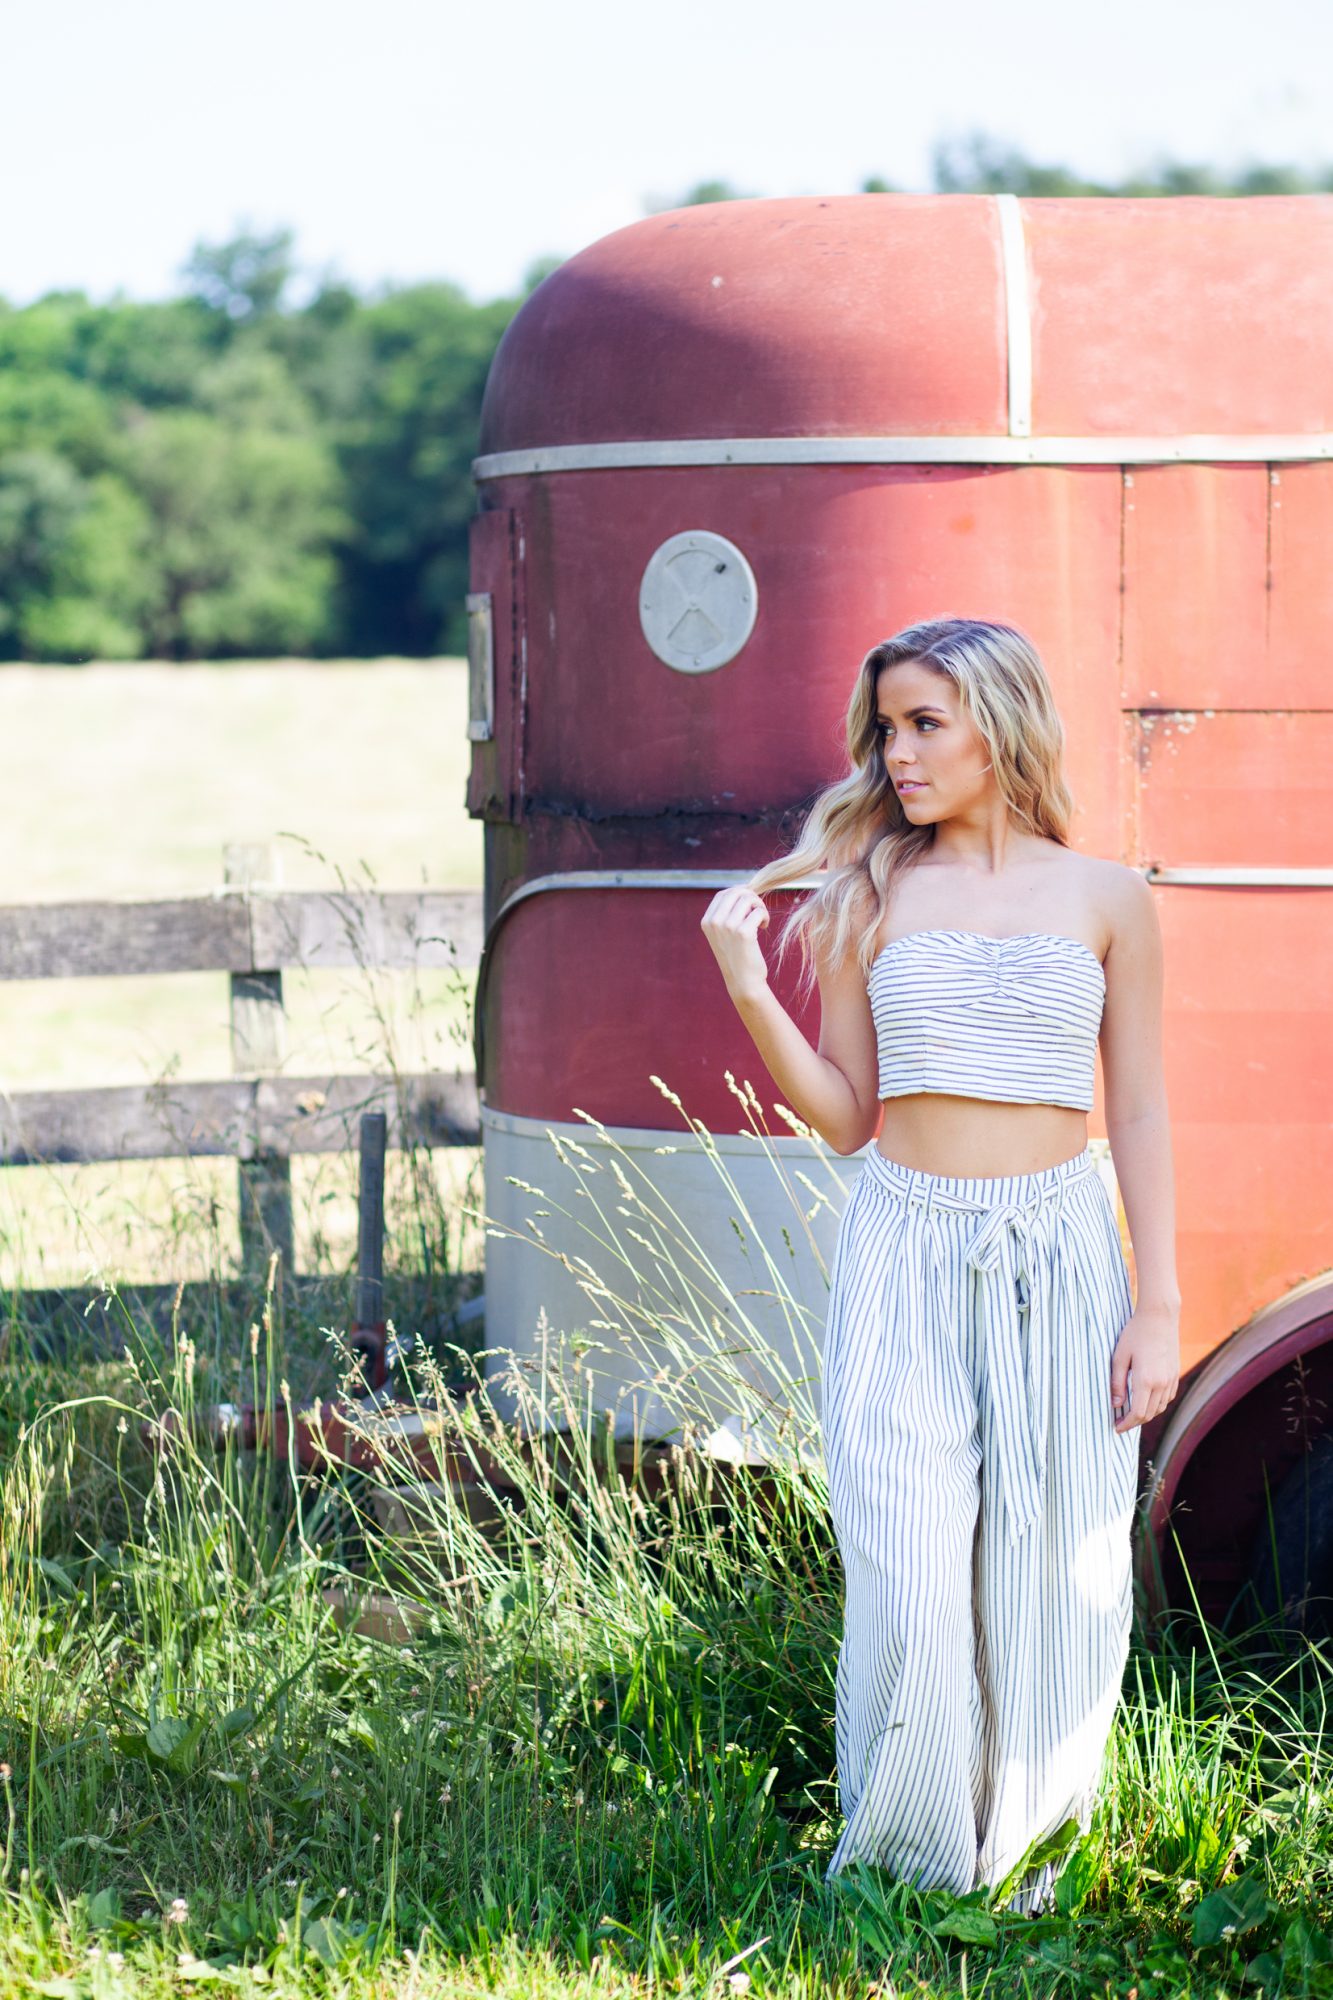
[(1018, 316)]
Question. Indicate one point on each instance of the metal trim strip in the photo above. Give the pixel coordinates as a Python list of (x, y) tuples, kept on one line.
[(723, 878), (651, 453), (642, 1136), (1225, 878)]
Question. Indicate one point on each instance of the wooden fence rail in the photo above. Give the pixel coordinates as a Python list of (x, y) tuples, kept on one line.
[(241, 929), (260, 1116)]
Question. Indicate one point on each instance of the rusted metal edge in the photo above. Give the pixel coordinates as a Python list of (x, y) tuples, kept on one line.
[(1278, 1334)]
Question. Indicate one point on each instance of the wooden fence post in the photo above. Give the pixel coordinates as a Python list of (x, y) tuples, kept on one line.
[(370, 1245), (258, 1046), (368, 1327)]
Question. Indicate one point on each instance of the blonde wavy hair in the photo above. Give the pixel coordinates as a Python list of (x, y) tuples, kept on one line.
[(857, 830)]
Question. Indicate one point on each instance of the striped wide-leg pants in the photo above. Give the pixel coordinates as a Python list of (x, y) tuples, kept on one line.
[(982, 1501)]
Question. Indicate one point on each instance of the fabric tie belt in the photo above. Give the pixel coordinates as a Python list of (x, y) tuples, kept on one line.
[(1006, 1249)]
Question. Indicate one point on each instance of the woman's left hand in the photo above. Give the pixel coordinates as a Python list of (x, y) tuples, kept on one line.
[(1149, 1350)]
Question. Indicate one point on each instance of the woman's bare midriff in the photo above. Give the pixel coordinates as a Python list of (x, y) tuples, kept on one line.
[(979, 1137)]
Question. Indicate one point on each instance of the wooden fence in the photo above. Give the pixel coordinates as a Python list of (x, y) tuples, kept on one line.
[(260, 1116)]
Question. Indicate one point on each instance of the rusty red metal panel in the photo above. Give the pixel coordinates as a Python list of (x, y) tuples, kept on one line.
[(616, 737), (1253, 1218), (1175, 318), (1250, 787), (1248, 970), (602, 990), (842, 555), (1300, 651), (850, 315), (1196, 586)]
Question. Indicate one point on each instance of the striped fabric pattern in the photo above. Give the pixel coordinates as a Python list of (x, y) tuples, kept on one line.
[(982, 1501), (1000, 1017)]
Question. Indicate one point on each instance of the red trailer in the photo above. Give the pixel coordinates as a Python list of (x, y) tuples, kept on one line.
[(728, 447)]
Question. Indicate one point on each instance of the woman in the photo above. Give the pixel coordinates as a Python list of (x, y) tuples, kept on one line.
[(985, 1371)]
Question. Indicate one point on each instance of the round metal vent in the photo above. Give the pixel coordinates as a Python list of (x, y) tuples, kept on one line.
[(698, 601)]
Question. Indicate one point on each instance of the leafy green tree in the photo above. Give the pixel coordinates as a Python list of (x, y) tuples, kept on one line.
[(40, 499), (697, 196), (150, 354), (244, 279), (399, 386), (45, 404), (979, 163), (241, 520), (538, 270), (99, 582), (251, 387), (72, 575)]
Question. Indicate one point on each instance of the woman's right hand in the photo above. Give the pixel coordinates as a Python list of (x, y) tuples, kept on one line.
[(731, 925)]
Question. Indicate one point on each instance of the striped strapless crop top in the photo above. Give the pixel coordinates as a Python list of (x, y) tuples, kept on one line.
[(1004, 1017)]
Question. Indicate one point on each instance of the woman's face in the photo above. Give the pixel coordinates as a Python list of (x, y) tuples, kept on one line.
[(935, 756)]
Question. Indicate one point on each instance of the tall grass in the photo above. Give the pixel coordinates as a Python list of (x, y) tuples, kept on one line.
[(597, 1754)]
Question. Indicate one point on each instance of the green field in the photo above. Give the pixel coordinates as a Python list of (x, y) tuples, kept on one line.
[(127, 781)]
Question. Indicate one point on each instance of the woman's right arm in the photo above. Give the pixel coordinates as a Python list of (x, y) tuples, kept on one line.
[(835, 1088)]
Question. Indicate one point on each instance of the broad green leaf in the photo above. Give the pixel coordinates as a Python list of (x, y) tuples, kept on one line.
[(1225, 1912), (173, 1737), (103, 1909), (1305, 1944), (970, 1926), (327, 1938)]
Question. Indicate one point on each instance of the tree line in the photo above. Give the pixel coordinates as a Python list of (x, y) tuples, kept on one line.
[(223, 474), (220, 474)]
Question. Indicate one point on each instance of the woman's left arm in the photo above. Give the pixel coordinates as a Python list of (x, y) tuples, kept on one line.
[(1137, 1126)]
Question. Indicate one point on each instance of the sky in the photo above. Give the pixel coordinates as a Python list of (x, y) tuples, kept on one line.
[(406, 139)]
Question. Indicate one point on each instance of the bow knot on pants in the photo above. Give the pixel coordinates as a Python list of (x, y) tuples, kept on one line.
[(982, 1501), (1003, 1250)]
